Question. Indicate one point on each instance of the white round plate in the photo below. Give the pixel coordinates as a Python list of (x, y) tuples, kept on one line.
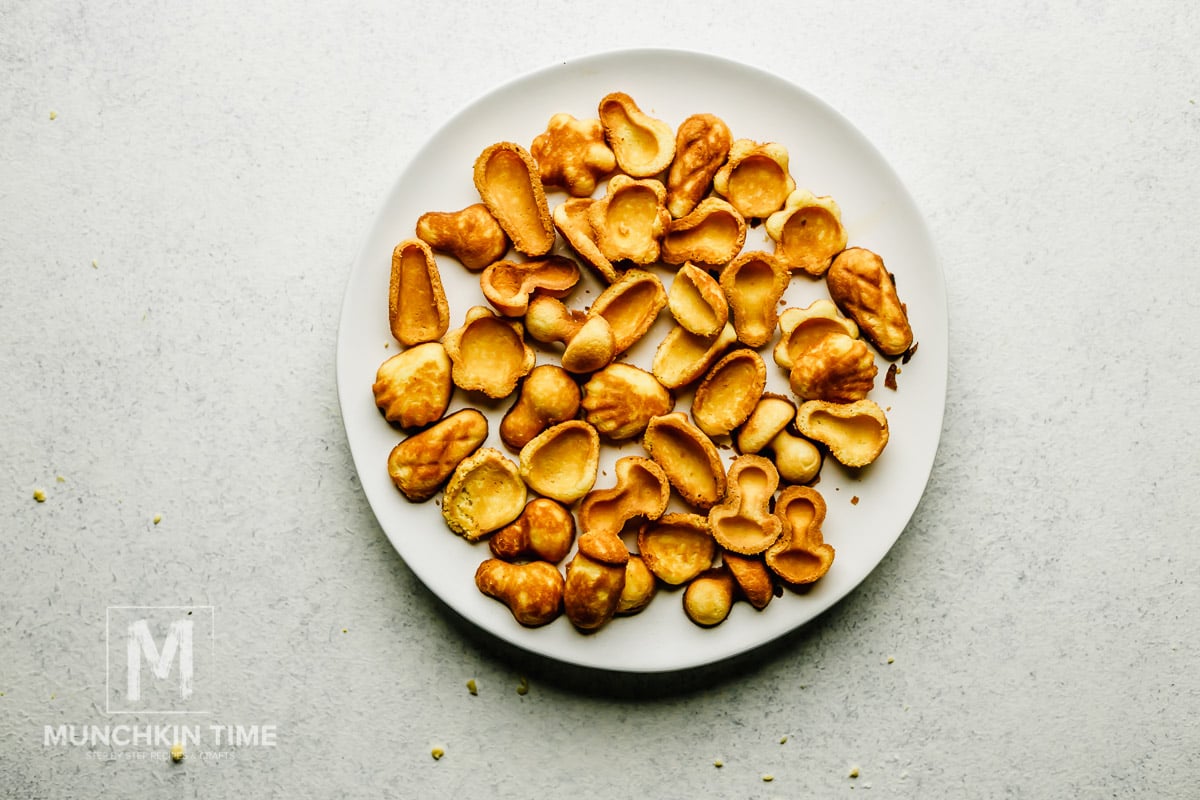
[(867, 510)]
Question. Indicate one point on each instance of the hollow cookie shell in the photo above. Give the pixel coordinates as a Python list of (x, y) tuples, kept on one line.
[(677, 547), (729, 392), (417, 307), (753, 284), (743, 522), (488, 353), (800, 329), (508, 285), (683, 357), (855, 433), (713, 233), (808, 232), (697, 302), (755, 178), (643, 145), (688, 459), (631, 305), (573, 221), (641, 490), (561, 461), (800, 556), (628, 223), (506, 177), (485, 493)]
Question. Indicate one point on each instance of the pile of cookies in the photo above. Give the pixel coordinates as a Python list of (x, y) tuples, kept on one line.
[(642, 200)]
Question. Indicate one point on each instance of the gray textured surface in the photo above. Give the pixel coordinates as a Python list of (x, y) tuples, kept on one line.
[(219, 166)]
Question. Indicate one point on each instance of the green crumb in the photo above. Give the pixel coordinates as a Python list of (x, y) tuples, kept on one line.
[(157, 518), (891, 659), (768, 778), (783, 740), (59, 479), (718, 763), (472, 688), (854, 772), (523, 686), (39, 495), (53, 115)]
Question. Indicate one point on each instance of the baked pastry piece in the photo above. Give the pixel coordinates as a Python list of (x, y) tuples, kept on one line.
[(808, 232), (800, 555), (472, 235), (701, 147), (643, 145), (571, 153), (417, 307), (628, 223), (688, 458), (712, 234), (742, 522), (507, 179), (484, 494), (620, 400), (855, 433), (754, 283), (755, 178), (533, 592), (420, 464), (488, 353), (412, 388), (561, 461), (865, 291)]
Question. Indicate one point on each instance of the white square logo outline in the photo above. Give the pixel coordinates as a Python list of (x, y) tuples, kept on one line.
[(212, 618)]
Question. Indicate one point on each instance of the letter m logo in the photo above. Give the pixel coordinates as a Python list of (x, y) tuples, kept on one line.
[(141, 643), (162, 663)]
